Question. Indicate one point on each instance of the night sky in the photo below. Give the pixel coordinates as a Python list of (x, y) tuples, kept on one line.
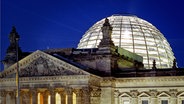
[(44, 24)]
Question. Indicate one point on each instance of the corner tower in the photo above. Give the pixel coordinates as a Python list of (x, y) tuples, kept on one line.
[(11, 52)]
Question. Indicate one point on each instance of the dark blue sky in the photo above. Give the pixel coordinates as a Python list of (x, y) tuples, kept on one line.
[(61, 23)]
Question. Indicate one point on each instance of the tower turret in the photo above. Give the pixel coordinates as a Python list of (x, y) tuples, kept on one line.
[(11, 52)]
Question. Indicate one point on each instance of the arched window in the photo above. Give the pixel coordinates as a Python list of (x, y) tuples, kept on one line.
[(49, 99), (58, 98), (74, 98), (40, 98)]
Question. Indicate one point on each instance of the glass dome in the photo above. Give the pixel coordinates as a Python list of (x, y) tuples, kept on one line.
[(136, 35)]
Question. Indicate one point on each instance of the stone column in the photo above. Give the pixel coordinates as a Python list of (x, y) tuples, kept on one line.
[(13, 97), (53, 96), (134, 94), (25, 97), (34, 96), (70, 95), (173, 93), (78, 93), (95, 94), (85, 95), (153, 94), (45, 97), (3, 96), (63, 97)]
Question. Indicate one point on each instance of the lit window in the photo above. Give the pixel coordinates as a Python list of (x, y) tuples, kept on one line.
[(58, 98), (126, 102)]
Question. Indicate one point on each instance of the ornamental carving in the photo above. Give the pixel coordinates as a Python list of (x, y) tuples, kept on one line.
[(12, 94), (43, 67), (173, 92), (78, 92), (3, 93), (116, 93), (25, 97), (95, 92), (134, 93), (85, 90), (153, 93), (69, 91)]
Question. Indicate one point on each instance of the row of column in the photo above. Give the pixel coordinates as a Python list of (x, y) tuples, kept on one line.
[(30, 96)]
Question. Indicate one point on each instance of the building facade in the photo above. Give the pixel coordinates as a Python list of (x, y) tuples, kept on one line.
[(104, 75)]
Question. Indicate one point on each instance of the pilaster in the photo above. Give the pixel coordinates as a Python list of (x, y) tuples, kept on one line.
[(134, 94), (95, 95), (13, 97), (63, 96), (173, 93), (34, 96), (116, 97), (45, 96), (3, 96), (85, 95), (153, 94), (70, 95), (78, 93), (52, 96)]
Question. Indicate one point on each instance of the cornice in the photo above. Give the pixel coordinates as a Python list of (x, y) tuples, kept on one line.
[(46, 78), (151, 79)]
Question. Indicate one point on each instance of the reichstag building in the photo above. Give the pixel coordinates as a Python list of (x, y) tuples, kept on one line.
[(121, 59)]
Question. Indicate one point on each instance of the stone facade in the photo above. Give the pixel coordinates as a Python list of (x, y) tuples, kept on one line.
[(90, 89)]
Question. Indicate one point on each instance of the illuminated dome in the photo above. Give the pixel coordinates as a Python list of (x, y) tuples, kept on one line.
[(136, 35)]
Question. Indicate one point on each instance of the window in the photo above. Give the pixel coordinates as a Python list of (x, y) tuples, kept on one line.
[(126, 102), (182, 102), (164, 102), (144, 101)]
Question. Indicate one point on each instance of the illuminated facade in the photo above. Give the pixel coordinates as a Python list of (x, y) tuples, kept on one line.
[(137, 36), (104, 75)]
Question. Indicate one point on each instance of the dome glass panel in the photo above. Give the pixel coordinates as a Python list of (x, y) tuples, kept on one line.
[(136, 35)]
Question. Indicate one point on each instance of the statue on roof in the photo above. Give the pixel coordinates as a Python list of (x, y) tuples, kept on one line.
[(11, 52), (13, 36), (106, 22)]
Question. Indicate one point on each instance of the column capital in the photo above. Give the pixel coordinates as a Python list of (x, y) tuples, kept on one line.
[(22, 92), (46, 92), (173, 92), (95, 92), (52, 91), (153, 93), (134, 93), (85, 89), (3, 93), (78, 92), (116, 93), (13, 94), (69, 91), (33, 90)]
